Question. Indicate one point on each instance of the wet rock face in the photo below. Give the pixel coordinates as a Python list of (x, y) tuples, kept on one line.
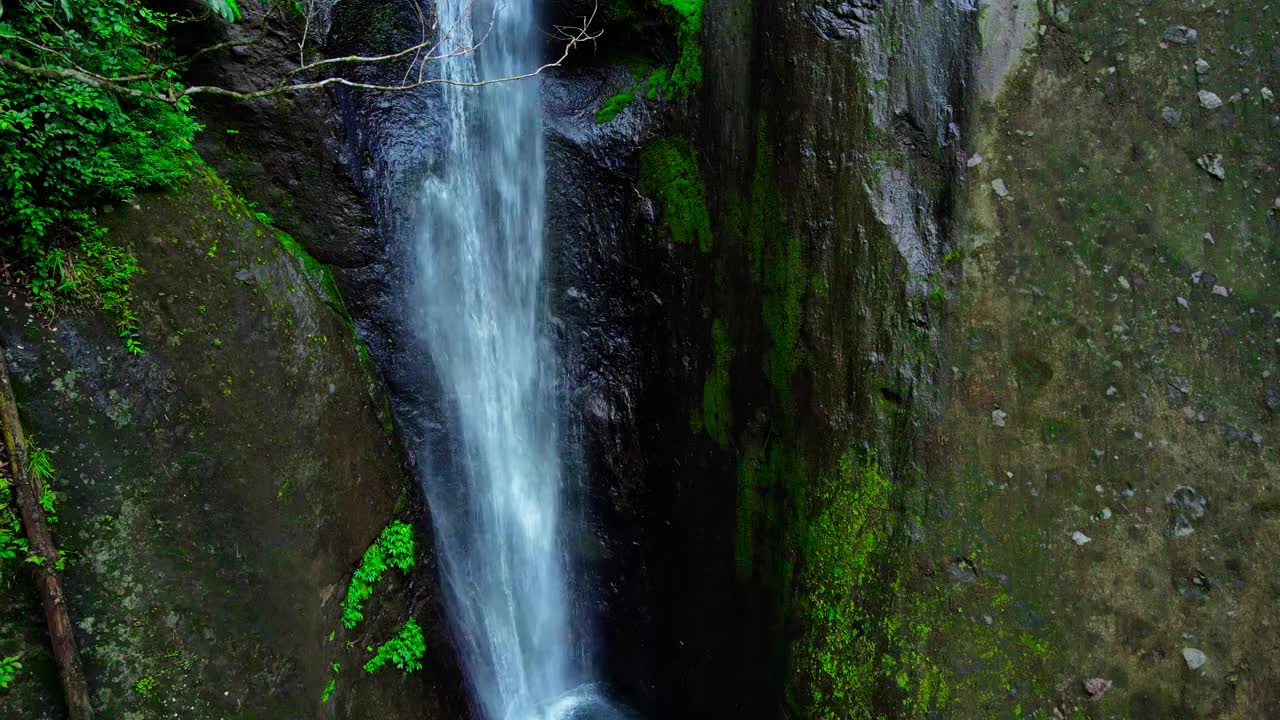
[(218, 489), (844, 20), (1138, 416), (603, 269), (286, 154)]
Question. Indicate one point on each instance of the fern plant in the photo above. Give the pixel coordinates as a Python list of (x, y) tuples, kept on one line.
[(393, 548), (405, 650)]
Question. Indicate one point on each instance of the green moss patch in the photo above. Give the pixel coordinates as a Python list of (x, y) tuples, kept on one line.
[(717, 412), (777, 263), (614, 105), (669, 171)]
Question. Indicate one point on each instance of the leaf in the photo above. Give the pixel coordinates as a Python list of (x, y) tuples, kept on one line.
[(226, 8)]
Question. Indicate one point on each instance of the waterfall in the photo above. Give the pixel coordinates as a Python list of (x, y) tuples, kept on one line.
[(479, 306)]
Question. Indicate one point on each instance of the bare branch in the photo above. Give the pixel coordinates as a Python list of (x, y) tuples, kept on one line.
[(82, 77), (570, 35)]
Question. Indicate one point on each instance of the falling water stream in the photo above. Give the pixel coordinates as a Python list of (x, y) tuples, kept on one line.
[(480, 301)]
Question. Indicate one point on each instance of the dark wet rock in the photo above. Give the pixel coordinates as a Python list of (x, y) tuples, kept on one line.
[(1186, 509), (1179, 35), (1177, 390), (605, 267), (1271, 399), (285, 154), (1194, 586), (843, 20), (1213, 164), (963, 571), (1095, 688), (1204, 279)]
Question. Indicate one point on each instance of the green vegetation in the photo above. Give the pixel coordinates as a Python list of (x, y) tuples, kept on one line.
[(749, 506), (717, 412), (613, 106), (9, 667), (226, 8), (778, 264), (405, 650), (394, 548), (840, 644), (145, 688), (13, 542), (42, 468), (333, 681), (686, 76), (663, 82), (669, 171), (862, 641), (68, 147)]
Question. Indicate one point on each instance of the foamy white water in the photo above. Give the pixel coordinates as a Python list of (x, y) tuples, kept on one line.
[(480, 303)]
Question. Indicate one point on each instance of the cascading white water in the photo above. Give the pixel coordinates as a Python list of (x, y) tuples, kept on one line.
[(480, 305)]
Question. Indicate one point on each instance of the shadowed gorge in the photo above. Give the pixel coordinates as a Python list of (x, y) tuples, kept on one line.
[(563, 360)]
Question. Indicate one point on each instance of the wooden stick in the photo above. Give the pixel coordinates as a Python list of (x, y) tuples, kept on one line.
[(61, 635)]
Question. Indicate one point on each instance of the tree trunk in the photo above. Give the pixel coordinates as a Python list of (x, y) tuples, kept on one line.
[(27, 494)]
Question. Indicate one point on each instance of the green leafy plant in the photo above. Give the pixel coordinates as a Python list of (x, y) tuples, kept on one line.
[(333, 682), (68, 146), (393, 548), (13, 543), (146, 687), (226, 8), (9, 667), (405, 650)]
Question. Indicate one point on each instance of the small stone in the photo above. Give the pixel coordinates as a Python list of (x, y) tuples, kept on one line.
[(1112, 391), (1171, 116), (1209, 100), (998, 417), (1124, 282), (1221, 291), (1000, 188), (1186, 507), (974, 160), (1096, 687), (1179, 35), (1208, 237), (1267, 95), (1183, 302), (1271, 399), (1202, 67), (1195, 658), (1106, 513), (1080, 538), (1212, 164)]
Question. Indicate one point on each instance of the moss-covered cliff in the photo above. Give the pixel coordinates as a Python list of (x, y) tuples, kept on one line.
[(216, 491)]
